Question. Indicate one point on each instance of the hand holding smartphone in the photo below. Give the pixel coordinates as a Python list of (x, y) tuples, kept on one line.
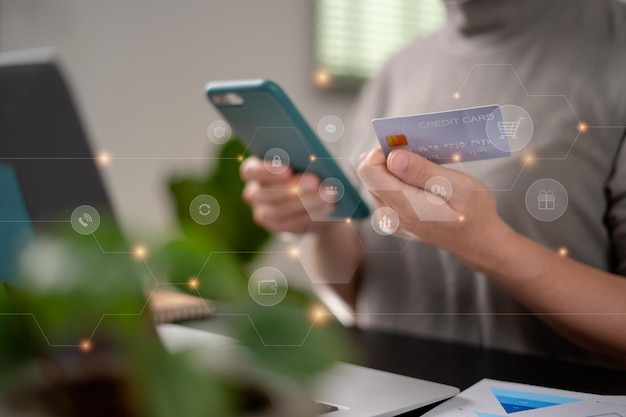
[(271, 127)]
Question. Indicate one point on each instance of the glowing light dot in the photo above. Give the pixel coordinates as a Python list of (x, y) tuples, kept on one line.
[(563, 251), (456, 95), (318, 315), (349, 220), (312, 158), (85, 346), (462, 217), (103, 159), (193, 283), (528, 160), (456, 157), (582, 127), (294, 252), (240, 158), (140, 252), (322, 78)]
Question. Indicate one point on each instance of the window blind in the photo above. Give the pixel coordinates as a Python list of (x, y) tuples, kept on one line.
[(354, 37)]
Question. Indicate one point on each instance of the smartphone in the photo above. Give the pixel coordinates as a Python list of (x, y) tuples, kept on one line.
[(270, 126)]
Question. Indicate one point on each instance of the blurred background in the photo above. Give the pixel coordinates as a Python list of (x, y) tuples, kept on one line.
[(138, 68)]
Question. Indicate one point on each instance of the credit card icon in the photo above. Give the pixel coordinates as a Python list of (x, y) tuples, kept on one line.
[(469, 134)]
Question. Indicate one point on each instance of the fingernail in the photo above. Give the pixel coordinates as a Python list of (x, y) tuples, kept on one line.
[(399, 161)]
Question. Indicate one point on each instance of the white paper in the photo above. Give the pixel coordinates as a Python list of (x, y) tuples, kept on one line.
[(491, 398)]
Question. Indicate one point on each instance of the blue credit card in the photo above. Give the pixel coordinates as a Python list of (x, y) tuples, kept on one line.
[(470, 134)]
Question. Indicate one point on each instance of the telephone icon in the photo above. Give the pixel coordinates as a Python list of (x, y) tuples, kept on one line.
[(85, 219)]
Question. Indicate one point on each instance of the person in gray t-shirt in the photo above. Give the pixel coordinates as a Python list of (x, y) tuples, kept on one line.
[(529, 252)]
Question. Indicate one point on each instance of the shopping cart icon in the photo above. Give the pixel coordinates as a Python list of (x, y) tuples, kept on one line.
[(509, 129)]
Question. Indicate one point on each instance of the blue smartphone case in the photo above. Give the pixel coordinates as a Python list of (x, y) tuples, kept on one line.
[(264, 118)]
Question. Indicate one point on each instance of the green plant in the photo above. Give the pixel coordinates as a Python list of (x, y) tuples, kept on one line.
[(75, 341), (235, 231), (76, 338), (216, 255)]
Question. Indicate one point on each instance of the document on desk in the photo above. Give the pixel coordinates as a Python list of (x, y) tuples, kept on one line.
[(491, 398)]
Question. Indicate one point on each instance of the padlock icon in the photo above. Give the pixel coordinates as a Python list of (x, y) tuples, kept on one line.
[(276, 162)]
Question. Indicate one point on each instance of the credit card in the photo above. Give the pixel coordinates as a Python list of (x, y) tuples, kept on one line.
[(470, 134)]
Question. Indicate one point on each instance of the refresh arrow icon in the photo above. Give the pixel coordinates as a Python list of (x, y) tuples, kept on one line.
[(204, 209)]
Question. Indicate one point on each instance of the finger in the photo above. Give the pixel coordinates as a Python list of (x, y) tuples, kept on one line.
[(254, 193), (282, 218), (374, 174), (378, 201), (295, 188), (256, 169), (362, 156), (316, 207), (311, 197), (286, 198), (376, 156), (414, 205), (414, 169), (280, 212), (295, 224)]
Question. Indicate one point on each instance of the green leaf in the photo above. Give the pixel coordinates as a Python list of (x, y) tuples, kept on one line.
[(234, 228), (287, 341), (216, 271)]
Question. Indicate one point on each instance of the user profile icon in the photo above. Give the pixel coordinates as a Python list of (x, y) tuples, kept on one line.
[(331, 190)]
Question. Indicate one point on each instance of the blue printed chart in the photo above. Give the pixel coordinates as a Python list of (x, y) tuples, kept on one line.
[(516, 401), (491, 398)]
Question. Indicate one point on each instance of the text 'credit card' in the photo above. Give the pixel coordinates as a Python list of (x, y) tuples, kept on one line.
[(470, 134)]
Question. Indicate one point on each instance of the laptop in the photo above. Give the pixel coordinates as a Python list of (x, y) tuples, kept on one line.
[(47, 169), (345, 390), (43, 153)]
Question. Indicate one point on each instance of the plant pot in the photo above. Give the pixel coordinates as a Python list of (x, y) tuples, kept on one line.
[(71, 386)]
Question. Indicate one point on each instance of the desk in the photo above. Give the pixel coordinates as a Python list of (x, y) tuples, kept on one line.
[(462, 366)]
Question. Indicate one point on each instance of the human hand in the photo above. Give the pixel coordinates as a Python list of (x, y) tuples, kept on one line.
[(465, 221), (282, 201)]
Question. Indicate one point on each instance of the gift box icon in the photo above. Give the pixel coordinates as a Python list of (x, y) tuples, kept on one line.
[(547, 200)]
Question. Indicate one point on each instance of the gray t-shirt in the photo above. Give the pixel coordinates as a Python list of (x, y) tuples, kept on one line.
[(564, 62)]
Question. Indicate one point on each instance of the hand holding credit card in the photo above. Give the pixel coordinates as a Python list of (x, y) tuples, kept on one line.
[(470, 134)]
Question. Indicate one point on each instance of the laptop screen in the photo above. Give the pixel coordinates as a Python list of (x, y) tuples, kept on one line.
[(47, 168)]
